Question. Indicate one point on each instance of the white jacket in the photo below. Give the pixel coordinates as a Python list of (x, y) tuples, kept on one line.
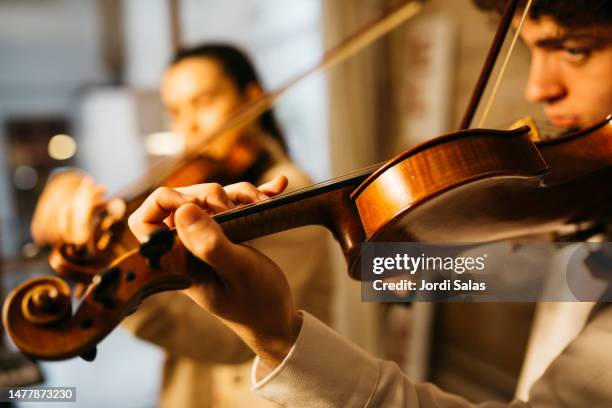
[(325, 370)]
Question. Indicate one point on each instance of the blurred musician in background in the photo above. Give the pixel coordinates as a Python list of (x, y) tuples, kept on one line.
[(206, 364)]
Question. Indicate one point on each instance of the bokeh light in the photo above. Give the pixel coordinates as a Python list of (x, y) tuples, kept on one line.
[(25, 177), (62, 147), (164, 143)]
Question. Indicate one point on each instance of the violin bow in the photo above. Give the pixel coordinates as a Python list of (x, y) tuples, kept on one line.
[(487, 68), (250, 111)]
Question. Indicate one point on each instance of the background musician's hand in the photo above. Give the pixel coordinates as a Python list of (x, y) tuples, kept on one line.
[(243, 287), (66, 208)]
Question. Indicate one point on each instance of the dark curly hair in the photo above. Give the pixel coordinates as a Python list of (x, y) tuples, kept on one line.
[(241, 70), (567, 13)]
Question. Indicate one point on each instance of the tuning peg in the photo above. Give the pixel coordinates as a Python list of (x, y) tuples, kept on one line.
[(156, 246), (90, 355), (107, 284)]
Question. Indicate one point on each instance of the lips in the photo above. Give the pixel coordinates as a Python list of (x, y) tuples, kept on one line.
[(564, 121)]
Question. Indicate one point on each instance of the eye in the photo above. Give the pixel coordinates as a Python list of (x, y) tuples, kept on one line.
[(576, 54), (205, 98)]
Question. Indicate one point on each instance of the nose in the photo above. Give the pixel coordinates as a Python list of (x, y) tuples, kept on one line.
[(544, 84), (187, 122)]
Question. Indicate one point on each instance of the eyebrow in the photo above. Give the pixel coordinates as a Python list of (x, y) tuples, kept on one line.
[(557, 42)]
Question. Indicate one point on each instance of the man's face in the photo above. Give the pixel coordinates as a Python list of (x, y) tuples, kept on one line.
[(200, 97), (571, 71)]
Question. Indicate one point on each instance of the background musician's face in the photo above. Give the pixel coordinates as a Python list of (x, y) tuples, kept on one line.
[(200, 97), (571, 71)]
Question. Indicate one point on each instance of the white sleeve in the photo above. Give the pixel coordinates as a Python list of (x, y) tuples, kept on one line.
[(325, 370)]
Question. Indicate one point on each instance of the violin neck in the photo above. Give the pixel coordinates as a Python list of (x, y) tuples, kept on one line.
[(327, 204)]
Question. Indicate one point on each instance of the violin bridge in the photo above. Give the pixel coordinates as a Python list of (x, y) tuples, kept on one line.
[(534, 132)]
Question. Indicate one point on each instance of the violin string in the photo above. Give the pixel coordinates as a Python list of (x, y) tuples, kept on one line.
[(546, 130), (489, 104), (550, 131), (318, 186), (541, 123)]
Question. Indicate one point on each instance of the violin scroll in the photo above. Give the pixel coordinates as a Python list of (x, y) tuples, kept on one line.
[(74, 266), (38, 316), (44, 300), (80, 263)]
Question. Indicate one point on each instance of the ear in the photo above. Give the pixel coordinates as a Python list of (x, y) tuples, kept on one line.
[(253, 91)]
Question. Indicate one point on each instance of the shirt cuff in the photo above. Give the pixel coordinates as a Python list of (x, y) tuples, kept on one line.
[(321, 369)]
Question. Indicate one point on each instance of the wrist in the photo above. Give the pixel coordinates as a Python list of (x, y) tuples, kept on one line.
[(272, 348)]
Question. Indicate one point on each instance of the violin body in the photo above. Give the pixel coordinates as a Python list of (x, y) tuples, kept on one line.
[(471, 186)]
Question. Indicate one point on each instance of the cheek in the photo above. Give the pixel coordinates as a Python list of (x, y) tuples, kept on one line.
[(210, 117), (215, 115), (604, 85), (591, 90)]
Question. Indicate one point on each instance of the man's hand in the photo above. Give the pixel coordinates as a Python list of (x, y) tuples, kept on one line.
[(244, 288)]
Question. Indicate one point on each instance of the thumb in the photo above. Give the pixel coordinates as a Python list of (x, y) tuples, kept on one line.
[(204, 238)]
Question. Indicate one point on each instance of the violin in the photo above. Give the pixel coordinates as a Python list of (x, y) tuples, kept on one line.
[(474, 185)]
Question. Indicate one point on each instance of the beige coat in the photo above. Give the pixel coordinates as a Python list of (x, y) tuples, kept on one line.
[(206, 364), (325, 370)]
